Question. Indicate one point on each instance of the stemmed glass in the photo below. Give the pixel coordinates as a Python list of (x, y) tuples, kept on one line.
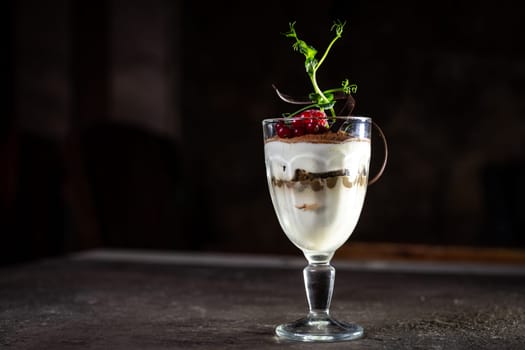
[(317, 185)]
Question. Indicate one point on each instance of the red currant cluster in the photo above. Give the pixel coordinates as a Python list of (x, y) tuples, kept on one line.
[(312, 121)]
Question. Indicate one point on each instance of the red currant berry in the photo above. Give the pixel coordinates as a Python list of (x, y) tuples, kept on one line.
[(298, 131), (318, 114), (312, 127), (283, 131), (313, 113), (323, 124), (298, 123)]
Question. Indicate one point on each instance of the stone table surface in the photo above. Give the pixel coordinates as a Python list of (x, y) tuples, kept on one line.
[(142, 300)]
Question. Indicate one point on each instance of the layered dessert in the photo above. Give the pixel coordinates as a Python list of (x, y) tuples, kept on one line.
[(318, 184), (317, 163)]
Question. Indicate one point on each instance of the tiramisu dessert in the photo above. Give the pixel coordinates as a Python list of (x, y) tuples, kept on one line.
[(317, 182)]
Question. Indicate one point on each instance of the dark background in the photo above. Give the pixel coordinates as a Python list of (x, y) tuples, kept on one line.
[(137, 124)]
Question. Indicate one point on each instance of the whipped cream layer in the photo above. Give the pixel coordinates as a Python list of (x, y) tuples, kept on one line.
[(318, 189)]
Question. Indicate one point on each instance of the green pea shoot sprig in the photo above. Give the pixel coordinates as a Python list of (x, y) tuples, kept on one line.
[(323, 100)]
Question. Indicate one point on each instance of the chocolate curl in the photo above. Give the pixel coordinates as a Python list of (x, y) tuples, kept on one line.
[(349, 104), (292, 100)]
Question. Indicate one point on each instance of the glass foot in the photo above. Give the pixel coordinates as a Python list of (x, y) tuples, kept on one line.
[(319, 330)]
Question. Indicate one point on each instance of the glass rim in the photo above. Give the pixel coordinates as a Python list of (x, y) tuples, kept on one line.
[(347, 117)]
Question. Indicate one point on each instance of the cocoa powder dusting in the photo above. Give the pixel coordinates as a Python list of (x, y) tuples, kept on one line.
[(327, 137)]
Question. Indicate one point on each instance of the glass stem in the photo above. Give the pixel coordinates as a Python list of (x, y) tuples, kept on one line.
[(319, 284)]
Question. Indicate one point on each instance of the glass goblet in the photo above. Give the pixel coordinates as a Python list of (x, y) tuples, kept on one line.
[(318, 183)]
